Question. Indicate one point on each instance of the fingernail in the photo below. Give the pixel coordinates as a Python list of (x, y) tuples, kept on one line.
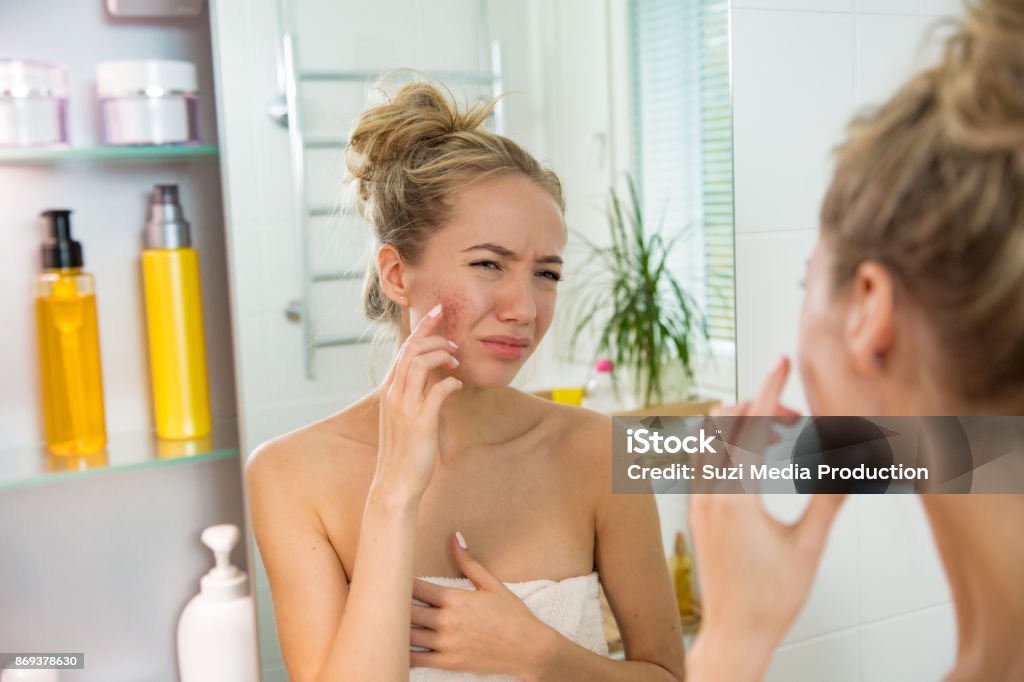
[(435, 311), (455, 361), (454, 345), (461, 540)]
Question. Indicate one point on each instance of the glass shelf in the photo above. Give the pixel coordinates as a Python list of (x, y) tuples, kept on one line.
[(124, 452), (140, 154)]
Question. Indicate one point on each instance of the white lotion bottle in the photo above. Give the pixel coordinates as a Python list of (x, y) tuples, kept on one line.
[(217, 629)]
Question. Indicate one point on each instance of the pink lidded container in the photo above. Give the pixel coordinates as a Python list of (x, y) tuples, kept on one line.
[(149, 102), (33, 103)]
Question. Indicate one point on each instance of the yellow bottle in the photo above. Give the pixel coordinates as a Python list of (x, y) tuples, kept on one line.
[(69, 346), (681, 567), (174, 319)]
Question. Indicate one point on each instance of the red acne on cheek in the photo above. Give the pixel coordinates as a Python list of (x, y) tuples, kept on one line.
[(453, 307)]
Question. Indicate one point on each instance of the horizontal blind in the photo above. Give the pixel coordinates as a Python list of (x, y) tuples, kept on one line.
[(682, 142)]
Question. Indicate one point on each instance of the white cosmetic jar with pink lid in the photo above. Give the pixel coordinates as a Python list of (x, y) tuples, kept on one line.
[(148, 102)]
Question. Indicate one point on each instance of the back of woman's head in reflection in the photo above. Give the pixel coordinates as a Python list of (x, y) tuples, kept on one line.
[(915, 291)]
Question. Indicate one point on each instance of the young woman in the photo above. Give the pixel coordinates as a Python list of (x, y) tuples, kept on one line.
[(445, 471), (914, 305)]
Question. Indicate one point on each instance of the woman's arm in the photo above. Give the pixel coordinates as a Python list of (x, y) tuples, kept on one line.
[(337, 627), (311, 591)]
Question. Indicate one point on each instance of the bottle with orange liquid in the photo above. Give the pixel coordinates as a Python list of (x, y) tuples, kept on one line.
[(174, 320), (69, 345)]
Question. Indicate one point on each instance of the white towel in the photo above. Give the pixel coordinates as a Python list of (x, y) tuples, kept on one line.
[(571, 606)]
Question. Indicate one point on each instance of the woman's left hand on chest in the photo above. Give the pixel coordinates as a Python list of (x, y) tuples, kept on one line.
[(486, 631)]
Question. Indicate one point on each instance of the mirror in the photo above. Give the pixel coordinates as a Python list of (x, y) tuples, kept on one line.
[(595, 91)]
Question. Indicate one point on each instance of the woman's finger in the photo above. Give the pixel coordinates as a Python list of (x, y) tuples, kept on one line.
[(419, 371), (436, 395), (423, 637), (427, 659), (425, 616), (428, 592), (424, 328)]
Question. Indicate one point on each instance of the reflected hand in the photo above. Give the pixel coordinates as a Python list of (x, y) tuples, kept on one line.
[(755, 571), (410, 406), (487, 631)]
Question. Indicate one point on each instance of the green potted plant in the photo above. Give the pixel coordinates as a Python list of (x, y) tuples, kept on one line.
[(644, 320)]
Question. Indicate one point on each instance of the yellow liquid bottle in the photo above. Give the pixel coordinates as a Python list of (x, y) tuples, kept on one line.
[(681, 567), (69, 347), (174, 320)]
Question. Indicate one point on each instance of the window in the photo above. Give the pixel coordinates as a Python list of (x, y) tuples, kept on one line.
[(682, 142)]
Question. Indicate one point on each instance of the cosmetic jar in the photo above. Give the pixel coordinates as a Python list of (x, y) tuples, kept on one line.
[(33, 103), (151, 102)]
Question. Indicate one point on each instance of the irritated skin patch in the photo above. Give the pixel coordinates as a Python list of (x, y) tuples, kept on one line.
[(453, 305)]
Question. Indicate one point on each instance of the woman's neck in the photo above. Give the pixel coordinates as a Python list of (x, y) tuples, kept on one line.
[(979, 539)]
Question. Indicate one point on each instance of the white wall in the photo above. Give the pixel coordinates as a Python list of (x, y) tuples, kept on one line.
[(880, 608)]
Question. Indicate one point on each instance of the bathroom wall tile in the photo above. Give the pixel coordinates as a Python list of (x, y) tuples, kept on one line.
[(834, 657), (249, 273), (899, 563), (251, 359), (935, 8), (769, 269), (338, 370), (325, 170), (915, 647), (804, 5), (891, 48), (834, 601), (793, 78), (279, 268)]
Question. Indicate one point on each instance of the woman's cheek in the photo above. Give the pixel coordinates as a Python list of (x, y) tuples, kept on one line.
[(454, 304)]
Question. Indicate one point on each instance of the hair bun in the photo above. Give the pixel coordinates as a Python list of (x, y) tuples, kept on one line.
[(982, 78), (417, 118)]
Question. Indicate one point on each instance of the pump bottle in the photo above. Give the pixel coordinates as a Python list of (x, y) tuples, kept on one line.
[(217, 629), (69, 345), (174, 319)]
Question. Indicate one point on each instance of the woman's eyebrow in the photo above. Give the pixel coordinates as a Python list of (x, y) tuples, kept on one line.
[(511, 255)]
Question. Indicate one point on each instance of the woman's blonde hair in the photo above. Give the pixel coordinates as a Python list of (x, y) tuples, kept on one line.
[(931, 185), (409, 156)]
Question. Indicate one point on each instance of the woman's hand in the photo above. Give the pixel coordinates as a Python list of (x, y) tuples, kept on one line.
[(487, 631), (410, 404), (755, 572)]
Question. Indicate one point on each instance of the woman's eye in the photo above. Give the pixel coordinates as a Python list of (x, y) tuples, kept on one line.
[(552, 275), (487, 263)]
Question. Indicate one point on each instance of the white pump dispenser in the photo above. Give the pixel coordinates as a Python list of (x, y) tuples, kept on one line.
[(217, 629)]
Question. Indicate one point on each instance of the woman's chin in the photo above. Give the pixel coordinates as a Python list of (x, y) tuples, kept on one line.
[(490, 377)]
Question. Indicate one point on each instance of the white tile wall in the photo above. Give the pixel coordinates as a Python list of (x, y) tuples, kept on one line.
[(801, 69), (769, 269), (793, 75), (834, 657), (898, 560), (915, 647)]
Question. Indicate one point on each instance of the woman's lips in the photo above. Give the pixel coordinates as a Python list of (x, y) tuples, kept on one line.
[(504, 350)]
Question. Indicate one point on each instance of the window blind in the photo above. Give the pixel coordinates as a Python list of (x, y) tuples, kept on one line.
[(682, 145)]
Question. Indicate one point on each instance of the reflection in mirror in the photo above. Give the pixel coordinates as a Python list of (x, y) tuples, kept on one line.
[(599, 93)]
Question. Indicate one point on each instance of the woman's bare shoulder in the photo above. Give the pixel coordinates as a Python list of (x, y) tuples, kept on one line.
[(321, 451), (576, 432)]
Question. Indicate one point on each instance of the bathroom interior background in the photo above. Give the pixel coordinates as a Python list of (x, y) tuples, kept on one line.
[(105, 563)]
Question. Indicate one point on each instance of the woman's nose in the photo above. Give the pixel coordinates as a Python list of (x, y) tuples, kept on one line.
[(517, 303)]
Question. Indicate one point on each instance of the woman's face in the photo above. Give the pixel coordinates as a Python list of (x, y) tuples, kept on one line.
[(494, 267), (831, 385)]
